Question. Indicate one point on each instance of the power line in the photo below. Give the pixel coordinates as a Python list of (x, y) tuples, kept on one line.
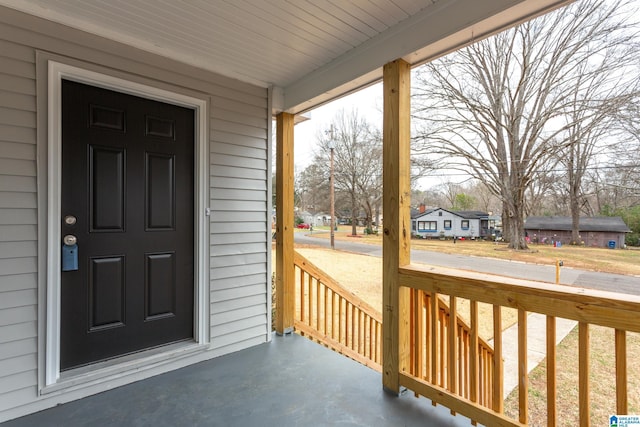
[(547, 171)]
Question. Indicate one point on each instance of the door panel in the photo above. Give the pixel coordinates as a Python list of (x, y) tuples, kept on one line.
[(128, 178), (106, 188), (106, 293), (160, 203), (160, 286)]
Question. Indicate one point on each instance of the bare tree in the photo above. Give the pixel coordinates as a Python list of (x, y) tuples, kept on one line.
[(486, 201), (545, 195), (493, 109), (358, 162), (312, 187), (605, 85), (450, 190)]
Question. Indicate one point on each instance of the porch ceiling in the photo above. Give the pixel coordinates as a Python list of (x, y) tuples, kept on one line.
[(309, 51)]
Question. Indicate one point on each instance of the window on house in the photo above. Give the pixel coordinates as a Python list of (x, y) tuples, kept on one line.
[(464, 224), (447, 224), (439, 213), (427, 226)]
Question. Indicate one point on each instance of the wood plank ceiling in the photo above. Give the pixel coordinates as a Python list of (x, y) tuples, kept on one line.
[(287, 44)]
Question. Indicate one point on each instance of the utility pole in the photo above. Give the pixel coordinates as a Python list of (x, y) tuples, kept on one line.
[(332, 146)]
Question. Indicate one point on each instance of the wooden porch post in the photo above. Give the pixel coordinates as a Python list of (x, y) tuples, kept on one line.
[(397, 222), (285, 269)]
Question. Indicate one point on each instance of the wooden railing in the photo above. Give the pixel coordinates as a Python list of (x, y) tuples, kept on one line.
[(333, 316), (469, 354), (588, 307)]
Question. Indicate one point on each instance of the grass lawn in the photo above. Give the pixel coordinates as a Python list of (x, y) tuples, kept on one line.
[(602, 381)]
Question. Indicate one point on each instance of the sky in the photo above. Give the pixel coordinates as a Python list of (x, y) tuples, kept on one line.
[(367, 101), (369, 104)]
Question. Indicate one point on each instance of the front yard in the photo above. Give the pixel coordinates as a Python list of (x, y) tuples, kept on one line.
[(363, 275)]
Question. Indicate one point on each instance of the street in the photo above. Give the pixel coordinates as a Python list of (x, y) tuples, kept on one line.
[(547, 273)]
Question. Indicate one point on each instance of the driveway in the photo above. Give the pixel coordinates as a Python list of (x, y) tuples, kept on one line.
[(547, 273)]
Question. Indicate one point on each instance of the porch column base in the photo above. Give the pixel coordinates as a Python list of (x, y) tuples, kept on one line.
[(286, 331), (387, 390)]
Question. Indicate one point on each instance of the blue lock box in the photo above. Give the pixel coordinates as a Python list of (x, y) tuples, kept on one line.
[(69, 257)]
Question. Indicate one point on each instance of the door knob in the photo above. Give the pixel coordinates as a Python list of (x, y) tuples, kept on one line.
[(70, 240)]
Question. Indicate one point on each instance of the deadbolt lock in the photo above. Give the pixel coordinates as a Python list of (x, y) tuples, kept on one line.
[(70, 240)]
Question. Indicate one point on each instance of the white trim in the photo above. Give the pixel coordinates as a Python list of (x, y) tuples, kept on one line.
[(270, 101), (56, 72)]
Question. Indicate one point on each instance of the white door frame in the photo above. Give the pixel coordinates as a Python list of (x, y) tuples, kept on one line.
[(56, 73)]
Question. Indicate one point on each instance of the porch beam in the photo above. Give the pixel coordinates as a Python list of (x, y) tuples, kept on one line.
[(397, 222), (285, 269)]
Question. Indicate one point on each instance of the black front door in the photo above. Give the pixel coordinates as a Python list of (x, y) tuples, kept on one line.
[(128, 198)]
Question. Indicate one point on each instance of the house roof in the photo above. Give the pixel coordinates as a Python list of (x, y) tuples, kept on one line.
[(310, 52), (563, 223), (472, 214), (461, 214)]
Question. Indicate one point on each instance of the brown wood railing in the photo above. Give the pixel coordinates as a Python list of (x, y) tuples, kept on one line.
[(588, 307), (332, 315), (460, 347)]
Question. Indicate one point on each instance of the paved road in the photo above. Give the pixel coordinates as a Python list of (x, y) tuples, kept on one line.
[(547, 273)]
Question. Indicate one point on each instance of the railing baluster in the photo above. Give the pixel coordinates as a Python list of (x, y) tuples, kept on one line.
[(326, 312), (583, 374), (413, 330), (452, 344), (339, 319), (333, 314), (353, 327), (433, 334), (376, 347), (552, 411), (462, 360), (621, 372), (369, 323), (310, 301), (302, 275), (347, 324), (442, 347), (498, 368), (473, 347), (492, 375), (422, 339), (318, 299), (464, 363), (523, 375), (426, 334), (359, 316)]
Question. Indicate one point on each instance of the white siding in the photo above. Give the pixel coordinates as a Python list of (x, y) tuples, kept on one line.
[(18, 222), (440, 216), (239, 241)]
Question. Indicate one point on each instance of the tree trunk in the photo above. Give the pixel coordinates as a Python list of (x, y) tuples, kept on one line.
[(575, 217), (517, 239), (354, 214), (513, 226)]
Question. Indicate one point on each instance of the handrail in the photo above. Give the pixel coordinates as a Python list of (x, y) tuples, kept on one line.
[(336, 317), (588, 307)]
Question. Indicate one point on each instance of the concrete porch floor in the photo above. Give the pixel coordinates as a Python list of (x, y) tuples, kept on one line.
[(288, 382)]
